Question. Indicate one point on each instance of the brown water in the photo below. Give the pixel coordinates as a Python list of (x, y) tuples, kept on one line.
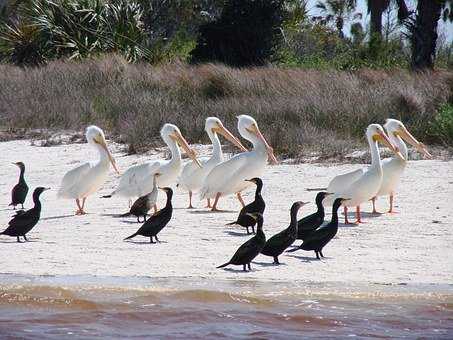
[(94, 307)]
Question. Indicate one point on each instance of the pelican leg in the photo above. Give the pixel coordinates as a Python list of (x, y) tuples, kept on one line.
[(391, 211), (216, 200), (80, 210), (357, 214), (209, 203), (346, 221), (240, 199), (190, 200), (373, 200), (83, 205)]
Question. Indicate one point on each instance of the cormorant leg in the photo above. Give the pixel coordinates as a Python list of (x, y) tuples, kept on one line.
[(151, 239), (276, 260), (156, 238), (209, 203), (18, 239), (248, 232), (317, 255), (144, 218), (240, 199), (22, 205), (14, 207), (190, 200), (373, 200), (320, 252), (25, 238), (253, 229), (357, 214), (250, 268), (216, 200), (244, 268)]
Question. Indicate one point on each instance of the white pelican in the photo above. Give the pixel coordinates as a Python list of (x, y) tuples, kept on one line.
[(192, 175), (87, 178), (394, 167), (138, 180), (365, 185), (229, 177)]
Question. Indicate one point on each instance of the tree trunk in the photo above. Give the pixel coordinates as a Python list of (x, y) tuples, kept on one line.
[(376, 8), (424, 34)]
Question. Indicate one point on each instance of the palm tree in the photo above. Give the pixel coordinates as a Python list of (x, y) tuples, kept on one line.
[(376, 8), (337, 11), (423, 31)]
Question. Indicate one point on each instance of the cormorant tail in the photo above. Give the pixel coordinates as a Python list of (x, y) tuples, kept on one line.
[(129, 237), (315, 189), (223, 265), (231, 223), (293, 250)]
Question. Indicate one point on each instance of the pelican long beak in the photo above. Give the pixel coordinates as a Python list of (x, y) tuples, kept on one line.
[(407, 136), (228, 135), (176, 136), (382, 137), (112, 160), (270, 152)]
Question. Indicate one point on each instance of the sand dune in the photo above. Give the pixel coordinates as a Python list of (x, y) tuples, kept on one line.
[(413, 246)]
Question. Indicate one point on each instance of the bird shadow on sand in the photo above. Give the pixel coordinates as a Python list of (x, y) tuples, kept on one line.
[(202, 212), (131, 222), (145, 242), (238, 270), (270, 264), (235, 233), (14, 241), (56, 217), (112, 215), (305, 258)]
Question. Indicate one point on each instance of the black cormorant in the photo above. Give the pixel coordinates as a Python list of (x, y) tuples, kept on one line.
[(250, 249), (20, 190), (320, 237), (309, 223), (257, 206), (24, 221), (279, 242), (158, 221), (144, 203)]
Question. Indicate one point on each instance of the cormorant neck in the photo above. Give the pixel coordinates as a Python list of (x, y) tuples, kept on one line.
[(259, 187), (335, 208), (21, 175), (36, 200), (320, 206), (169, 196), (293, 215)]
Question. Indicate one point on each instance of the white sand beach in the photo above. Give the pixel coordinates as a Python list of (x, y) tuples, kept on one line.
[(412, 246)]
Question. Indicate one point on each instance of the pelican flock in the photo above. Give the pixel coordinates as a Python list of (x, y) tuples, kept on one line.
[(214, 177)]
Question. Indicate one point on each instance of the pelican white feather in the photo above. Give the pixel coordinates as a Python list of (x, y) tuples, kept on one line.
[(192, 176), (87, 178), (138, 180), (393, 167), (229, 177)]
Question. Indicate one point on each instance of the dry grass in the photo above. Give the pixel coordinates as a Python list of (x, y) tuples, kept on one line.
[(326, 111)]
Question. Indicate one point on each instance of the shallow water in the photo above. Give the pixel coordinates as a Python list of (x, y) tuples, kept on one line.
[(110, 307)]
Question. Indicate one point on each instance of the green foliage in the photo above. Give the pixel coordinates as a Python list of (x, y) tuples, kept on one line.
[(442, 127), (245, 34), (46, 30)]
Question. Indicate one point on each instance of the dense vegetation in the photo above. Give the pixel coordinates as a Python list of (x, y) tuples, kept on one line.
[(132, 65)]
